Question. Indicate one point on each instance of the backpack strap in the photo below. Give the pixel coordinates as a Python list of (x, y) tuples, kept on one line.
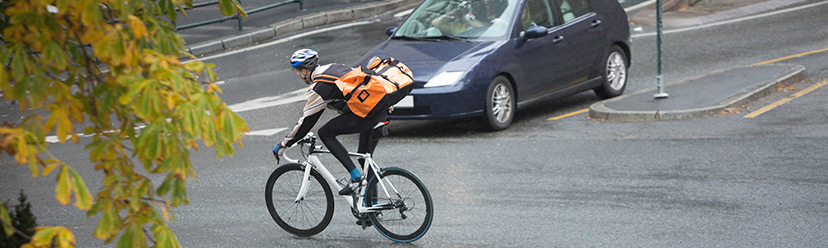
[(363, 83)]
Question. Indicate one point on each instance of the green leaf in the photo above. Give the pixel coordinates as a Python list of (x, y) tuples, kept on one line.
[(165, 186), (4, 215), (171, 10), (109, 223), (44, 236), (133, 237), (63, 187), (179, 192), (164, 237), (92, 15), (83, 197), (52, 52), (226, 7)]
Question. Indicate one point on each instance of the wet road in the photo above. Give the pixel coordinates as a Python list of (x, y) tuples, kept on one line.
[(720, 181)]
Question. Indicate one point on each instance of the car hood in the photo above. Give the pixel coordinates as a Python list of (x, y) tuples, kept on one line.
[(427, 59)]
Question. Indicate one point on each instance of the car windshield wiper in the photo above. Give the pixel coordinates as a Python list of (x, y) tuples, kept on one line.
[(402, 37), (445, 37), (430, 38)]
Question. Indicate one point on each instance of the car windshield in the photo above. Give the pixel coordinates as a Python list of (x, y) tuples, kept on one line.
[(459, 20)]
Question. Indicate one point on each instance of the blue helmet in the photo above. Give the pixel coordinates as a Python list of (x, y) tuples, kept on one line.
[(304, 59)]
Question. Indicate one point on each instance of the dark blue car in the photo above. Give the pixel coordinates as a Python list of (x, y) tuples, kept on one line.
[(486, 57)]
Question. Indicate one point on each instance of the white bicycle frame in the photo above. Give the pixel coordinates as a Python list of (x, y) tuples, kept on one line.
[(313, 163)]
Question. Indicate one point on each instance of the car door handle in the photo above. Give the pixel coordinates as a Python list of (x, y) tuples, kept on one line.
[(596, 23), (558, 39)]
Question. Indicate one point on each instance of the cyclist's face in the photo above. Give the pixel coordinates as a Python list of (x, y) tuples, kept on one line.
[(303, 74)]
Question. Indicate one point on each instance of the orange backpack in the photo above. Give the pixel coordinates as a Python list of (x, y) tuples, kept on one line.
[(375, 86)]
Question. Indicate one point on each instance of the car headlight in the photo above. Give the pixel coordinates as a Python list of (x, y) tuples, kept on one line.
[(446, 78)]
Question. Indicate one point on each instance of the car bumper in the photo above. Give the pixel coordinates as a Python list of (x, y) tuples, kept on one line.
[(438, 103)]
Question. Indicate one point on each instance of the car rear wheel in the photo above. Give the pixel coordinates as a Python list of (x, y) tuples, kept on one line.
[(614, 73), (500, 104)]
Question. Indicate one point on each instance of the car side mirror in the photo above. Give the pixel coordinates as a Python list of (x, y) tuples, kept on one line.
[(534, 33), (390, 31)]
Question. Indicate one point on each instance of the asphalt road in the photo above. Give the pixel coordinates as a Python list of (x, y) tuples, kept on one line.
[(721, 181)]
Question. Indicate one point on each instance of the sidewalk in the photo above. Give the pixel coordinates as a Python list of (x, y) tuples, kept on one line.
[(706, 95)]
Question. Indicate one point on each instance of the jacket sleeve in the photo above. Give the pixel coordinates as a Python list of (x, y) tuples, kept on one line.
[(314, 106)]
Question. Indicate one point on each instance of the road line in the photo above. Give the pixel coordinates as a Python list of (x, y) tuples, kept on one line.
[(403, 13), (786, 99), (266, 132), (568, 115), (283, 40), (640, 5), (792, 56), (265, 102), (733, 20)]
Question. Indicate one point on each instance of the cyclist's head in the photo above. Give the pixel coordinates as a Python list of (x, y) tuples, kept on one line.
[(304, 59)]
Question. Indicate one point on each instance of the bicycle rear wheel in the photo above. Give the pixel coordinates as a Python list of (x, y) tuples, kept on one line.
[(410, 212), (310, 215)]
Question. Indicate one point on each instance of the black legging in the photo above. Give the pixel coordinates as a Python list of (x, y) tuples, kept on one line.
[(349, 123)]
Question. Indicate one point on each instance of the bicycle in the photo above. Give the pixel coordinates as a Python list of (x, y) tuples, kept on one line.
[(303, 201)]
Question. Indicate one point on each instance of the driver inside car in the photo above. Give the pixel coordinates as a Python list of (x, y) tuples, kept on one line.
[(470, 15)]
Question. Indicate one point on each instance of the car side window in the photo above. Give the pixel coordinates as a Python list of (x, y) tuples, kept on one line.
[(572, 9), (538, 13)]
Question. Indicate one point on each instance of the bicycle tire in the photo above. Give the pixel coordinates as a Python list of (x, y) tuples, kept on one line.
[(397, 224), (287, 213)]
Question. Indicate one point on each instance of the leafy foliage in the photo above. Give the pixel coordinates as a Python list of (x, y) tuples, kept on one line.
[(111, 69)]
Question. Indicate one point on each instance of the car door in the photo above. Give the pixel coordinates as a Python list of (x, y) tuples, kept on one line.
[(542, 66), (585, 35)]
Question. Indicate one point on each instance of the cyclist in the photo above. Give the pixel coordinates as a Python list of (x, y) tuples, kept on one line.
[(324, 93)]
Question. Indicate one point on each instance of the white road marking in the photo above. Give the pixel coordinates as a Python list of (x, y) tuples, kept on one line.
[(266, 102), (640, 5), (266, 132), (678, 30), (403, 13), (282, 40)]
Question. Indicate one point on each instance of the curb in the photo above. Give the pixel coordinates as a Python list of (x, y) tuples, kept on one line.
[(600, 111), (296, 24)]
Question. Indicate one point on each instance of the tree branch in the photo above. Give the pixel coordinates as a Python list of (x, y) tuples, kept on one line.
[(18, 232)]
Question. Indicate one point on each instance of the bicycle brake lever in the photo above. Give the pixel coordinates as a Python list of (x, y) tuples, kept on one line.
[(278, 155)]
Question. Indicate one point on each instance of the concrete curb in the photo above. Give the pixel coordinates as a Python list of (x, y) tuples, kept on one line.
[(309, 21), (600, 111)]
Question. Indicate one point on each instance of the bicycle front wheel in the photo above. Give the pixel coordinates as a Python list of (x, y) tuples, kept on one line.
[(410, 208), (306, 217)]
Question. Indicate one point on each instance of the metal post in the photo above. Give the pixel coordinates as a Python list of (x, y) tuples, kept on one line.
[(660, 77), (239, 17)]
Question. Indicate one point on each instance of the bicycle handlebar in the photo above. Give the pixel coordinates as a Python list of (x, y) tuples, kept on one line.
[(308, 139)]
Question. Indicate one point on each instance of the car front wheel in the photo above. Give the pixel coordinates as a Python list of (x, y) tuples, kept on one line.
[(500, 104), (614, 73)]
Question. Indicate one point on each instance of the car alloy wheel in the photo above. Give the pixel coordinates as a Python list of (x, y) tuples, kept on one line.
[(615, 74), (500, 104)]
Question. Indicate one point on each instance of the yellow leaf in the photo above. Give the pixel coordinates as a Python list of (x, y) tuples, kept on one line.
[(170, 102), (83, 199), (194, 66), (166, 215), (65, 238), (44, 235), (51, 167), (63, 187), (137, 26), (4, 215)]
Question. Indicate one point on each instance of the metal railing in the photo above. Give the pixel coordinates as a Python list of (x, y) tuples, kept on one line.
[(237, 16)]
